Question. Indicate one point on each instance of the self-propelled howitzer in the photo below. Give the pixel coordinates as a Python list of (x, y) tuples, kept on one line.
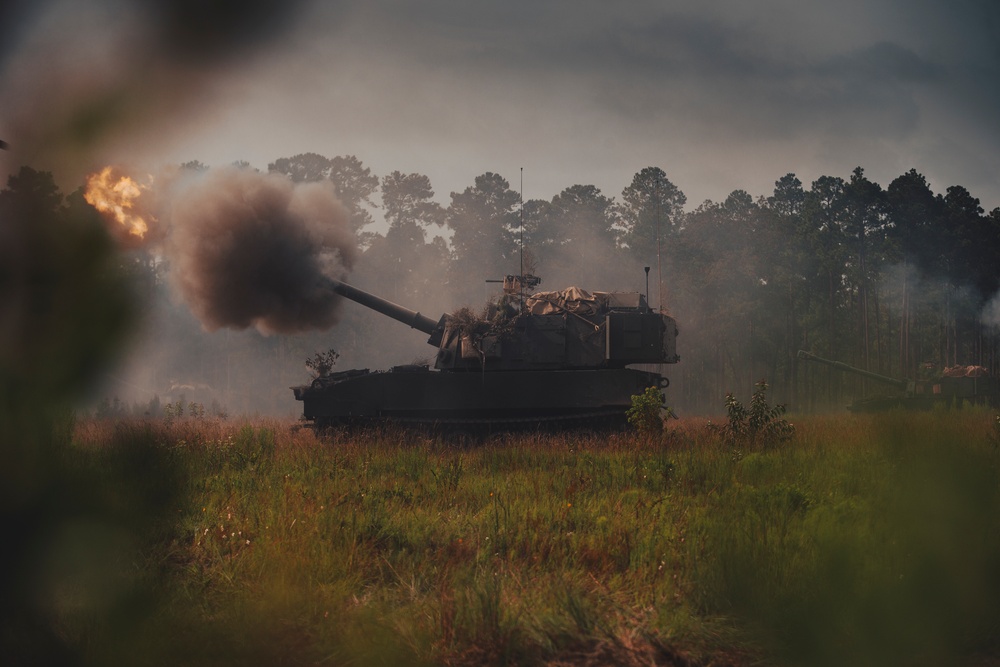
[(548, 358), (954, 386)]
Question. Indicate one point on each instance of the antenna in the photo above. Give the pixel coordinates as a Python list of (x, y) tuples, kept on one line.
[(647, 287), (521, 281), (659, 269)]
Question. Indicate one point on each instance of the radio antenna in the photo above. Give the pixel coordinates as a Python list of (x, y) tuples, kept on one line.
[(659, 265), (521, 280)]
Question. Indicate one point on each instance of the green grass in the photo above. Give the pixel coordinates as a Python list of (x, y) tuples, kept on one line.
[(863, 540)]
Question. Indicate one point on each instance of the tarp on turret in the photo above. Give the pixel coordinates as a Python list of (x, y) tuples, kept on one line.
[(965, 372), (572, 299)]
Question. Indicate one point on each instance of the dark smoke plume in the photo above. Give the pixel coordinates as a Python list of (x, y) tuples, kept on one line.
[(248, 249)]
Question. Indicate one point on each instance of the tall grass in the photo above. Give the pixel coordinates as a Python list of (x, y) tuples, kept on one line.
[(864, 540), (877, 546)]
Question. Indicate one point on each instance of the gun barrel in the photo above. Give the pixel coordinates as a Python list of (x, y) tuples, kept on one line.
[(409, 317), (808, 356)]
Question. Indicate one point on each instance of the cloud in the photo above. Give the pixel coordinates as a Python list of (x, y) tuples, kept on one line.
[(79, 78), (722, 94)]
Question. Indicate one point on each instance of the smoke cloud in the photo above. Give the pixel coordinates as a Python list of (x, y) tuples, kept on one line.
[(243, 249), (248, 249)]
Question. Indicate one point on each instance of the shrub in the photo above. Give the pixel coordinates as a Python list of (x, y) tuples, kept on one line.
[(644, 414), (759, 426), (321, 364)]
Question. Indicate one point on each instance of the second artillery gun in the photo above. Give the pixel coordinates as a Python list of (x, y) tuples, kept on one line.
[(906, 395), (550, 358), (955, 385)]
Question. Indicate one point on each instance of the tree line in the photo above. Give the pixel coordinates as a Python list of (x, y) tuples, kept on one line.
[(899, 280)]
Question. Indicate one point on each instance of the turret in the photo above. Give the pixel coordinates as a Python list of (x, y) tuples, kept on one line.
[(565, 329)]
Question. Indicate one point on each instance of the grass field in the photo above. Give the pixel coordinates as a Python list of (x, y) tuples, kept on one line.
[(862, 540)]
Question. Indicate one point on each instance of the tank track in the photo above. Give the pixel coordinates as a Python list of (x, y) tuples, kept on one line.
[(608, 419)]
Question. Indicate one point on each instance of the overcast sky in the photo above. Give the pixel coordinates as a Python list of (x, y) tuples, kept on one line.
[(722, 95)]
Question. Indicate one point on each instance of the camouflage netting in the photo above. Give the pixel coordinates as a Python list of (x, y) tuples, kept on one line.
[(567, 324), (572, 299), (965, 372), (494, 318)]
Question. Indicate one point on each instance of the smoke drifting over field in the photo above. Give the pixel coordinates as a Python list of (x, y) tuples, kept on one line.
[(991, 311)]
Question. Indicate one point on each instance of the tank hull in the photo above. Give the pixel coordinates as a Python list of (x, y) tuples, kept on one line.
[(493, 398), (873, 404)]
